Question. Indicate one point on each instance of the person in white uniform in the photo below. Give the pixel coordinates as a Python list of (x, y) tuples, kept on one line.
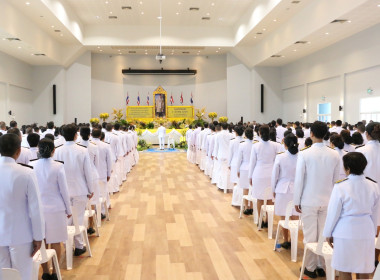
[(347, 139), (362, 130), (280, 130), (188, 141), (283, 174), (215, 162), (3, 128), (112, 139), (300, 139), (78, 171), (336, 142), (21, 220), (206, 132), (261, 164), (50, 129), (25, 155), (209, 151), (317, 171), (55, 200), (161, 131), (33, 140), (243, 159), (233, 164), (352, 220)]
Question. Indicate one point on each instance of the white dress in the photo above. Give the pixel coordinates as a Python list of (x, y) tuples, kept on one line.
[(232, 158), (342, 173), (244, 155), (352, 220)]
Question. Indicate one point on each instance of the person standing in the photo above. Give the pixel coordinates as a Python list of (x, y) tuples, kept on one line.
[(316, 172), (21, 221), (161, 136)]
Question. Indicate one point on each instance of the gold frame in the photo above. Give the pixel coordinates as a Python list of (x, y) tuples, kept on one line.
[(160, 90)]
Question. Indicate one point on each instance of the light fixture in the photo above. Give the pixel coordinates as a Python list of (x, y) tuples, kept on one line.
[(327, 33), (177, 13), (97, 17), (61, 35), (275, 20), (27, 3), (212, 4), (264, 29), (52, 26), (142, 13), (217, 51), (179, 3), (98, 47), (19, 47), (254, 37), (111, 13), (141, 2), (106, 2), (100, 50), (378, 5), (294, 50), (207, 14)]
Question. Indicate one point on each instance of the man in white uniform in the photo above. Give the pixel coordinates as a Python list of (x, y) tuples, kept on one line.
[(280, 130), (50, 129), (3, 128), (21, 221), (79, 177), (25, 155), (161, 136), (317, 170)]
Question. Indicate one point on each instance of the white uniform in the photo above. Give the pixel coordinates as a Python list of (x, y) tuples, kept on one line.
[(24, 141), (342, 173), (301, 143), (21, 219), (349, 148), (221, 151), (93, 152), (261, 163), (3, 131), (306, 132), (79, 177), (55, 198), (233, 158), (244, 156), (112, 139), (209, 150), (60, 140), (317, 171), (352, 219), (193, 141), (283, 174), (280, 132), (25, 156), (202, 166), (48, 131), (34, 153), (189, 133), (161, 131)]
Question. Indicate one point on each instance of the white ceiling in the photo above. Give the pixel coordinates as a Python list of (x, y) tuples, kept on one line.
[(174, 12)]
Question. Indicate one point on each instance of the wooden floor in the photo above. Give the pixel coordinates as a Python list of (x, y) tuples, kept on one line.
[(168, 222)]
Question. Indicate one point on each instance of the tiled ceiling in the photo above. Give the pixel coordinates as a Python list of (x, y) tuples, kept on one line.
[(174, 12)]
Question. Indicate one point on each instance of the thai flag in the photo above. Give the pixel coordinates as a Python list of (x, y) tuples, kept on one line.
[(147, 100), (181, 100), (191, 99), (127, 100), (171, 99), (138, 100)]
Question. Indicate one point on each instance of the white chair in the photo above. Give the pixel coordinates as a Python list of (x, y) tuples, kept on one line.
[(267, 210), (171, 142), (72, 231), (91, 213), (10, 274), (320, 248), (293, 226), (253, 200), (102, 202), (376, 276), (43, 256)]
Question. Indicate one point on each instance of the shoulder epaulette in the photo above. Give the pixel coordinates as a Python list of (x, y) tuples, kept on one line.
[(305, 148), (27, 148), (34, 159), (59, 161), (92, 143), (357, 147), (371, 180), (115, 134), (330, 147), (59, 146), (280, 153), (25, 165), (254, 142), (232, 139), (242, 142), (340, 181), (107, 143), (81, 145)]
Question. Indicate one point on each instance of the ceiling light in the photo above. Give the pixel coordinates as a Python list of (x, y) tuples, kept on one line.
[(111, 13), (378, 5), (19, 47), (264, 29), (52, 26), (107, 2), (212, 4), (179, 3), (349, 21), (254, 37), (326, 33), (218, 48), (217, 51), (142, 13), (141, 2), (177, 13), (97, 17), (27, 3), (98, 47), (294, 50), (207, 14), (61, 35), (275, 20)]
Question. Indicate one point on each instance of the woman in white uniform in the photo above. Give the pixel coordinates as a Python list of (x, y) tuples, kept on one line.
[(261, 164), (283, 175), (336, 143), (351, 220), (244, 155), (347, 139), (232, 164), (54, 198)]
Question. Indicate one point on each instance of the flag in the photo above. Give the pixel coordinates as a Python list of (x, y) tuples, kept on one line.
[(171, 99), (127, 100), (147, 99), (181, 100), (191, 99), (138, 100)]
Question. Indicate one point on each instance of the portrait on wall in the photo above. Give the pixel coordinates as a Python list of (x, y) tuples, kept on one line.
[(160, 105)]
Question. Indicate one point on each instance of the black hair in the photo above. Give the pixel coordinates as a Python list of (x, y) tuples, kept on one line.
[(357, 138), (291, 142), (224, 125), (69, 132), (15, 131), (319, 129), (50, 125), (206, 124), (102, 136), (279, 121), (272, 134), (300, 133), (327, 135), (215, 123), (230, 128), (287, 132), (361, 127), (109, 127), (46, 148), (297, 123), (9, 144), (117, 126), (239, 130), (308, 142), (218, 128), (104, 124), (85, 133), (249, 133), (264, 132), (96, 133), (373, 130), (49, 136), (355, 162), (33, 139), (346, 136), (190, 127), (337, 141), (338, 123), (307, 125), (212, 126), (56, 132), (13, 124)]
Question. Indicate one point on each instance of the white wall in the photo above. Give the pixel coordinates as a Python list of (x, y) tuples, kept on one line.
[(294, 101), (341, 72), (110, 86)]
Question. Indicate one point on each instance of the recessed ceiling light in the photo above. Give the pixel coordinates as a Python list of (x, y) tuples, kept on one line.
[(27, 3), (111, 13), (218, 48), (212, 4), (254, 37), (275, 20), (100, 50), (327, 33), (97, 17), (179, 3), (349, 21), (177, 13), (142, 13), (217, 51), (294, 50), (207, 14), (19, 47), (378, 5), (141, 2), (264, 29), (61, 35), (52, 26), (98, 47), (106, 2)]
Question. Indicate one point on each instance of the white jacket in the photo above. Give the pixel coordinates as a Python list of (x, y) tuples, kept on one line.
[(284, 172), (105, 159)]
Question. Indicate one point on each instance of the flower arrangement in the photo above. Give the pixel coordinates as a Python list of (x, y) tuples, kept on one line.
[(150, 125), (200, 113), (104, 116), (212, 115), (223, 119), (117, 114), (94, 121)]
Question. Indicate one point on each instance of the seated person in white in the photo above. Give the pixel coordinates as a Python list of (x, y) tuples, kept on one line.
[(161, 136), (283, 175), (21, 220), (55, 199), (352, 220)]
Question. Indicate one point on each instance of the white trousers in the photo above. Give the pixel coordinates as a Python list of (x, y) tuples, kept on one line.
[(17, 257), (80, 203), (313, 219), (161, 140)]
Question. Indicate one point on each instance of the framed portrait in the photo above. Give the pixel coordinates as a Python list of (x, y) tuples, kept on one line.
[(160, 103)]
